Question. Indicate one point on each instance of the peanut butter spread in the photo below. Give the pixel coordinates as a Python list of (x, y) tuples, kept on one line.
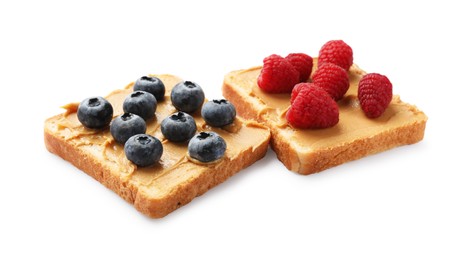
[(174, 165), (353, 124)]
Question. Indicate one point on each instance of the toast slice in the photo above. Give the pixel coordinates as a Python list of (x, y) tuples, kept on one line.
[(171, 183), (314, 150)]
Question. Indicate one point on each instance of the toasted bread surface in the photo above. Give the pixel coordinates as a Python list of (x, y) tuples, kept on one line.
[(172, 182), (314, 150)]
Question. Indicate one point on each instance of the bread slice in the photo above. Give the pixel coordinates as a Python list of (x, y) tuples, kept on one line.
[(176, 179), (314, 150)]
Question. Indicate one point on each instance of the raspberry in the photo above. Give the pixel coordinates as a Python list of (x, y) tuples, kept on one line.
[(297, 89), (375, 94), (337, 52), (312, 108), (303, 64), (333, 79), (277, 75)]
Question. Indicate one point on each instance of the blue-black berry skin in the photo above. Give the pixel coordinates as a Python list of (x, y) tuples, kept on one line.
[(152, 85), (218, 113), (178, 127), (140, 103), (143, 150), (187, 96), (207, 147), (95, 112), (126, 126)]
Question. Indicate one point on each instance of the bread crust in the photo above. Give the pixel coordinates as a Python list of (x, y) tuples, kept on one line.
[(150, 206), (147, 197), (321, 159), (87, 163)]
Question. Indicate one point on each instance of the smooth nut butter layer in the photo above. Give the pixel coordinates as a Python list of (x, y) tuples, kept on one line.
[(353, 127), (174, 166)]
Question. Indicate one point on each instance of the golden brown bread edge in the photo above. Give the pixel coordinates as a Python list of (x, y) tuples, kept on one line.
[(152, 207), (322, 159)]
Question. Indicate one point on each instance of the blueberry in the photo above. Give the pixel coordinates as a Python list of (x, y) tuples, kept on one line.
[(126, 126), (187, 96), (178, 127), (206, 147), (140, 103), (218, 112), (143, 150), (95, 112), (152, 85)]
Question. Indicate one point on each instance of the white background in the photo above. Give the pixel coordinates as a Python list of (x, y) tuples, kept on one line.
[(413, 202)]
